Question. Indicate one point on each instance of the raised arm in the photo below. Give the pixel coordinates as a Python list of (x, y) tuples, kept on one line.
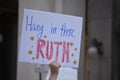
[(54, 68)]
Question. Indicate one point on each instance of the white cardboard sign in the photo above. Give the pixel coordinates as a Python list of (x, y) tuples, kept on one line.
[(48, 37)]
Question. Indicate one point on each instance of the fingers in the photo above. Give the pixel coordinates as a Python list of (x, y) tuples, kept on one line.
[(55, 64)]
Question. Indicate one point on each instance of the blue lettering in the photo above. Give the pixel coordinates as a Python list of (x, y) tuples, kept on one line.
[(53, 30), (39, 35), (66, 32), (30, 26)]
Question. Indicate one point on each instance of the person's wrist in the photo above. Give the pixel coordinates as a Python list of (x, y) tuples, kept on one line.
[(54, 68), (53, 76)]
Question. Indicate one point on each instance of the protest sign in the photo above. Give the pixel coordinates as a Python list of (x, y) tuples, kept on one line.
[(48, 37)]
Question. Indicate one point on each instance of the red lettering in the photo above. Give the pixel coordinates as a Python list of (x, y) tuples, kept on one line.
[(57, 49), (65, 52), (40, 44), (49, 56), (49, 47)]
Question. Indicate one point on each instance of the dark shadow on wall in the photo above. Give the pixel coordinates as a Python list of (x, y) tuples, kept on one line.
[(8, 38), (116, 40)]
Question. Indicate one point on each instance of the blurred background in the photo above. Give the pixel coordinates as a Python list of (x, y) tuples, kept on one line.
[(100, 58)]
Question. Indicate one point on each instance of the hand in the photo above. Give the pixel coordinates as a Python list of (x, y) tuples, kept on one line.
[(54, 68)]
